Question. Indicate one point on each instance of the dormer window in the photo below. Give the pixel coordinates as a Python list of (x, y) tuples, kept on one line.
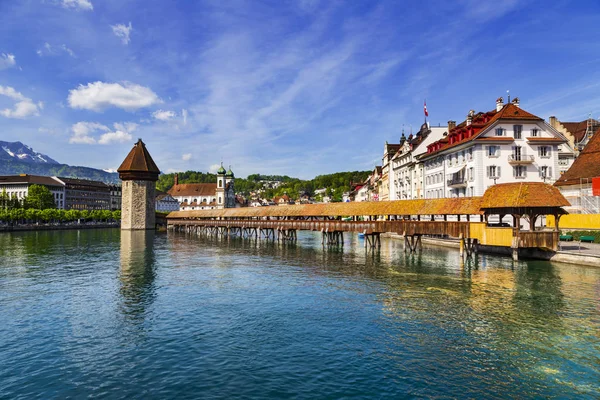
[(499, 132), (534, 132), (517, 131)]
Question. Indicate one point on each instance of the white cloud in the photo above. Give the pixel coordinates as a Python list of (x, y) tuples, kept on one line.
[(7, 61), (78, 4), (122, 31), (214, 168), (98, 96), (24, 106), (184, 114), (163, 115), (83, 131), (186, 157), (50, 50)]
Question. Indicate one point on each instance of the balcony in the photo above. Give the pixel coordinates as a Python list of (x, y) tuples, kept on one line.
[(457, 182), (520, 159)]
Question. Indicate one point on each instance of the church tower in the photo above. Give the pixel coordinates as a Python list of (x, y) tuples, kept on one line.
[(229, 189), (139, 174), (221, 187)]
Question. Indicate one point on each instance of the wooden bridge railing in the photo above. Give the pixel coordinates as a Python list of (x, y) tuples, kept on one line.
[(450, 228)]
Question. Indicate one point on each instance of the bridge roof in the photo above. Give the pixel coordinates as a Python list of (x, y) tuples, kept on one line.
[(523, 195), (456, 206)]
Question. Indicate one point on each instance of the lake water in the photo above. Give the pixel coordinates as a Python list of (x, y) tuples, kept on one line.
[(100, 313)]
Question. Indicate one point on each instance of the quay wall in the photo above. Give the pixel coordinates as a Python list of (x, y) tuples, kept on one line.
[(23, 228)]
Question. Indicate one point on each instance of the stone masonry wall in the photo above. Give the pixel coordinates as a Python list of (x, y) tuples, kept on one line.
[(138, 205)]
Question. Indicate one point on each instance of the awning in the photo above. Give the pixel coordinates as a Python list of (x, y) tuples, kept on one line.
[(455, 169)]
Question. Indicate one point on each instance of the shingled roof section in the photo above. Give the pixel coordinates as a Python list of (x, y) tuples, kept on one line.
[(455, 206), (194, 189), (480, 122), (138, 165), (577, 129), (586, 166), (523, 195)]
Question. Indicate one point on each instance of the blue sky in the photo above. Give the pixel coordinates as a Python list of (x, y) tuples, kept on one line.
[(299, 87)]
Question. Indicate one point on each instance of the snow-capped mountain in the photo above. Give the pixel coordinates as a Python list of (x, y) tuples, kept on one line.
[(18, 158), (20, 152)]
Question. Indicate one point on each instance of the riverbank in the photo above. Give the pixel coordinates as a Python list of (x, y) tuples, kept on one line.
[(26, 228), (588, 254)]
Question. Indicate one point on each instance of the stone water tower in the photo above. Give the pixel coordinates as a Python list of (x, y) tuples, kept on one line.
[(139, 174)]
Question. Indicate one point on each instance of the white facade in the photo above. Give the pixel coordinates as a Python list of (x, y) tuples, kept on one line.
[(167, 203), (21, 189), (407, 171), (505, 151)]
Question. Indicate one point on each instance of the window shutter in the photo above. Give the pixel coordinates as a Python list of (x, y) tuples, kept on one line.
[(515, 171), (541, 172), (549, 172), (524, 172), (539, 151), (488, 168), (498, 172)]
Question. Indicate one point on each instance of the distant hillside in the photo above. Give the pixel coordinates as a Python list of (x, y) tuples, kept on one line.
[(18, 158), (336, 183)]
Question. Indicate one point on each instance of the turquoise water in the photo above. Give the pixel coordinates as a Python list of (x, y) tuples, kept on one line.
[(101, 313)]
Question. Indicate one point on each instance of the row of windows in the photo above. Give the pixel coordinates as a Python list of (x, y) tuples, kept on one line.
[(517, 132), (460, 192), (518, 152)]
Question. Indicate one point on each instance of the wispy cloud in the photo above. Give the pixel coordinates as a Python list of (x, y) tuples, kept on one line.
[(80, 5), (49, 50), (163, 115), (7, 61), (122, 32)]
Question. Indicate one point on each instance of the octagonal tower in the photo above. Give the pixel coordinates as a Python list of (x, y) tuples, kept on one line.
[(139, 174)]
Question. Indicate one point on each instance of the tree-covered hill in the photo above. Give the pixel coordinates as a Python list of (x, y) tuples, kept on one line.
[(336, 184)]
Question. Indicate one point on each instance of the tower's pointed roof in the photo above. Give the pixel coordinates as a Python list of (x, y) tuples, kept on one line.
[(138, 165)]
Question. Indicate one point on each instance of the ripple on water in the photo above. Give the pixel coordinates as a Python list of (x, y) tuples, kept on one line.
[(94, 313)]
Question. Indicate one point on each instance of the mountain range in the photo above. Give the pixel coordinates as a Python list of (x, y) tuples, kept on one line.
[(18, 158)]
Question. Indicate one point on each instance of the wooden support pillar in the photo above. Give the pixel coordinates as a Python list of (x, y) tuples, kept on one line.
[(461, 246)]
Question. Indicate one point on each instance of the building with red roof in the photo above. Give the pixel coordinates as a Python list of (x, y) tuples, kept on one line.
[(503, 145)]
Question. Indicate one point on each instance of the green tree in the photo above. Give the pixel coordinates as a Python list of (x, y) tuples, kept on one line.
[(39, 197), (4, 199), (116, 215)]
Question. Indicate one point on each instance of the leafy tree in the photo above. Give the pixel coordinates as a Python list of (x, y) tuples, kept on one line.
[(4, 199), (39, 197), (116, 215)]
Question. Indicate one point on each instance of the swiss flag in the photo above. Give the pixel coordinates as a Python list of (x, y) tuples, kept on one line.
[(425, 108)]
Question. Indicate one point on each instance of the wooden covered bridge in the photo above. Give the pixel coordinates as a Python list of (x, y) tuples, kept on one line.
[(463, 218)]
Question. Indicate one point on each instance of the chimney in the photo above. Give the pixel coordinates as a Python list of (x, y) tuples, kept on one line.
[(470, 117), (451, 125), (499, 104), (176, 179), (516, 102)]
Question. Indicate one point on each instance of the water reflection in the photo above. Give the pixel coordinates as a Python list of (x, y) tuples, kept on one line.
[(137, 273)]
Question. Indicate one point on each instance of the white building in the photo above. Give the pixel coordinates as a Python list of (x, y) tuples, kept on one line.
[(166, 203), (406, 173), (18, 186), (203, 196), (507, 144), (576, 183)]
